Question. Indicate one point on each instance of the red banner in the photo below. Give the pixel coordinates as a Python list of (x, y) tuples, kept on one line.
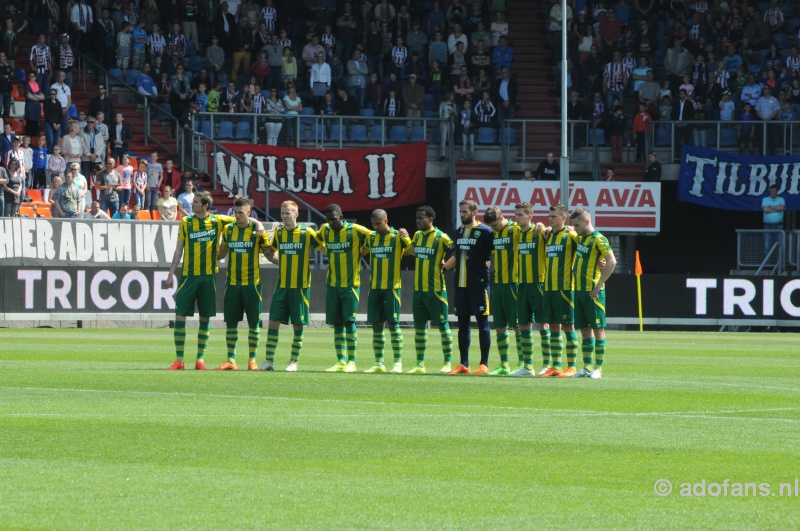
[(356, 179)]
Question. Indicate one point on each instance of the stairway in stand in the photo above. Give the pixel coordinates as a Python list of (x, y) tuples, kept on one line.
[(478, 170), (533, 68)]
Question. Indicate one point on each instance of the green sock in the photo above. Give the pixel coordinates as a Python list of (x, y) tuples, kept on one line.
[(556, 346), (420, 344), (297, 343), (179, 335), (338, 342), (572, 348), (397, 341), (203, 333), (351, 341), (518, 342), (378, 342), (502, 346), (231, 338), (599, 352), (527, 348), (587, 348), (544, 344), (272, 344), (253, 337), (447, 341)]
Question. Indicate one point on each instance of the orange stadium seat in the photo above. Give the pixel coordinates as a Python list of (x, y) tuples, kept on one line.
[(26, 212), (156, 216), (16, 92), (144, 215), (44, 212)]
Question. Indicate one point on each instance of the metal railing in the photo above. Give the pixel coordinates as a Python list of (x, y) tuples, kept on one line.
[(762, 249), (309, 130)]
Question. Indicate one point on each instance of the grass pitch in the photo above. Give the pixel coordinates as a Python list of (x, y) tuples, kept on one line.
[(95, 434)]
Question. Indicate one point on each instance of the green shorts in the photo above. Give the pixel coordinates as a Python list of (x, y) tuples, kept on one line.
[(202, 289), (429, 306), (240, 301), (290, 304), (383, 305), (504, 305), (341, 305), (590, 313), (558, 307), (530, 303)]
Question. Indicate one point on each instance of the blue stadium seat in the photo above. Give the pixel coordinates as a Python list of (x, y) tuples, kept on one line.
[(243, 129), (196, 64), (601, 137), (358, 133), (130, 76), (485, 135), (376, 134), (225, 130), (428, 113), (206, 127), (338, 131), (509, 135), (114, 77), (780, 40), (429, 102), (318, 133), (19, 75), (398, 134), (417, 133), (73, 112), (663, 136), (190, 48), (727, 137)]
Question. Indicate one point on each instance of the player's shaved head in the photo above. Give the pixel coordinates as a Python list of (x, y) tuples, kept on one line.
[(559, 209), (379, 213), (491, 215), (579, 213)]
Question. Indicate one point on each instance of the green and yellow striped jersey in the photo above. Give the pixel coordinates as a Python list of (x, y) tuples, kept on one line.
[(294, 249), (386, 251), (504, 253), (429, 248), (244, 246), (588, 251), (343, 248), (560, 253), (201, 241), (531, 256)]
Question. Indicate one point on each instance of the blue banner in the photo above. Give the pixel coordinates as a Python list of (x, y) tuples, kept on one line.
[(736, 182)]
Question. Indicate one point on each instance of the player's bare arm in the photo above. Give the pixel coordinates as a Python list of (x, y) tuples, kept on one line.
[(176, 258), (611, 263)]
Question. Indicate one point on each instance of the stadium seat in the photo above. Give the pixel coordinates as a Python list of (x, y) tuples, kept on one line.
[(19, 75), (73, 112), (26, 212), (319, 133), (398, 134), (144, 215), (780, 40), (727, 137), (428, 102), (358, 133), (205, 127), (191, 49), (428, 113), (417, 133), (367, 113), (663, 136), (225, 130), (114, 77), (35, 194), (44, 212), (338, 131), (16, 92), (130, 76), (754, 69), (509, 135), (376, 134), (599, 135), (243, 130), (485, 135), (196, 64), (156, 216)]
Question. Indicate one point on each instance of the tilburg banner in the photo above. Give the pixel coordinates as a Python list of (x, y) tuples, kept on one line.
[(355, 179), (736, 182), (615, 206), (42, 241)]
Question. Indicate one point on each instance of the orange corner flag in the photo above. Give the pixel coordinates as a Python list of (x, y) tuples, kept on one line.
[(638, 267)]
